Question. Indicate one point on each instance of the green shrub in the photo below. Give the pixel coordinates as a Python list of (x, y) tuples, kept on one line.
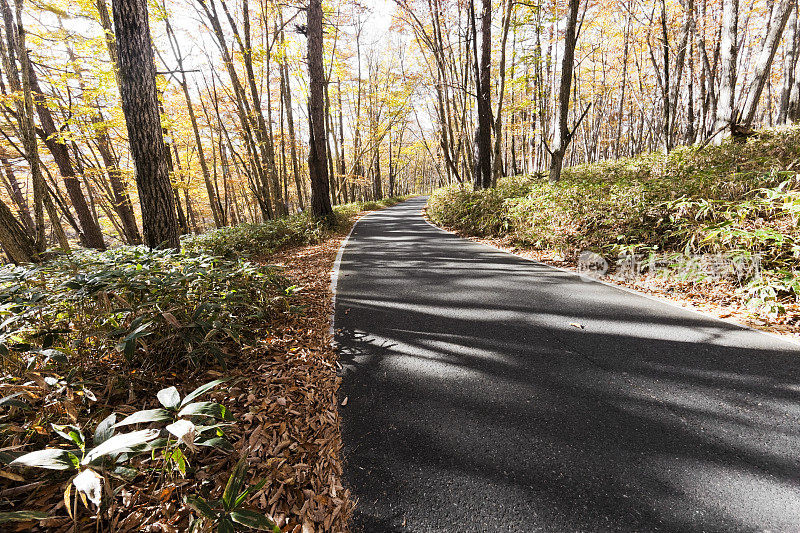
[(153, 307), (736, 198), (253, 240), (150, 306)]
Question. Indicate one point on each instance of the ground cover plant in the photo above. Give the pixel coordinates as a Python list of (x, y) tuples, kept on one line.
[(741, 199), (137, 385)]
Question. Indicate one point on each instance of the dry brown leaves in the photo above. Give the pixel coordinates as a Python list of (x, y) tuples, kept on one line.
[(283, 398), (288, 404)]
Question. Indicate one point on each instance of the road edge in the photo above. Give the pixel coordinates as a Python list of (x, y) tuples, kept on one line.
[(589, 279), (334, 275)]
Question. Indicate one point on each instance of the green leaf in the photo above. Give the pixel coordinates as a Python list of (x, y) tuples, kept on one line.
[(147, 415), (252, 489), (11, 401), (105, 429), (180, 460), (235, 482), (201, 506), (225, 526), (125, 472), (49, 458), (22, 516), (169, 397), (70, 433), (216, 442), (202, 389), (211, 409), (120, 443), (254, 520)]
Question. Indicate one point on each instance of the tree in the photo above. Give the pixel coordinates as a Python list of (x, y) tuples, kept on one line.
[(562, 134), (317, 146), (483, 135), (768, 50), (14, 240), (140, 105), (725, 122)]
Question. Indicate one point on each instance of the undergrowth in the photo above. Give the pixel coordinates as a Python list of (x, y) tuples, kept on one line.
[(255, 240), (85, 332), (739, 199)]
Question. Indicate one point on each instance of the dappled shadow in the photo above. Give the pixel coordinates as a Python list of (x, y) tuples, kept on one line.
[(502, 394)]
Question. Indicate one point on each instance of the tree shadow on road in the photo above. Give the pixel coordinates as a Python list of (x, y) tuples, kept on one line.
[(488, 390)]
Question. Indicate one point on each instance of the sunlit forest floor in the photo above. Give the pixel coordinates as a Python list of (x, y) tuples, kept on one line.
[(714, 228), (92, 338)]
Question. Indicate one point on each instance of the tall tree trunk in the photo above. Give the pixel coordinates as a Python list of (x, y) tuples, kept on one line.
[(15, 241), (328, 150), (41, 197), (212, 197), (621, 108), (317, 156), (723, 127), (377, 186), (483, 135), (497, 171), (254, 140), (342, 164), (665, 82), (122, 200), (286, 91), (140, 105), (91, 235), (562, 135), (789, 66), (14, 191), (768, 50)]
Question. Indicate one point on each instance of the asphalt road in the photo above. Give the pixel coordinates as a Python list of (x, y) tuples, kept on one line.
[(474, 405)]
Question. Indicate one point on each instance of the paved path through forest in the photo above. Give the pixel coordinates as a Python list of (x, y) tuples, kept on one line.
[(474, 405)]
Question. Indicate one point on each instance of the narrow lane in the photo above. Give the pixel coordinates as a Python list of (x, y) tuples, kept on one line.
[(474, 405)]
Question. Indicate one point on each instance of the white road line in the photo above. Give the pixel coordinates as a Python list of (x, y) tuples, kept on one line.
[(335, 270)]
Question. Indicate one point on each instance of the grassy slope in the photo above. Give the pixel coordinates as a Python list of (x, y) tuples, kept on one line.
[(736, 199)]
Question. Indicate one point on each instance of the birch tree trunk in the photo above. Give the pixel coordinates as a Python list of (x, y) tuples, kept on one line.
[(764, 62), (723, 127)]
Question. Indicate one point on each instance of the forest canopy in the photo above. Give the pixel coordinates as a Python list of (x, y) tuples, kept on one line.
[(413, 95)]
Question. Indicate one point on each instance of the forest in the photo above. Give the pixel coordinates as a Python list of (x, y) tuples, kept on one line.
[(406, 98), (178, 177)]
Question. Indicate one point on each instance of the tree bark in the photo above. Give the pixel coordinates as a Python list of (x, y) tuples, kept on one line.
[(497, 171), (14, 191), (91, 235), (562, 136), (41, 198), (483, 135), (790, 63), (140, 105), (768, 50), (286, 91), (212, 197), (15, 241), (317, 157), (723, 127)]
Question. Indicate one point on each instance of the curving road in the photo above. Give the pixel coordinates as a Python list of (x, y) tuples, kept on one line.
[(474, 405)]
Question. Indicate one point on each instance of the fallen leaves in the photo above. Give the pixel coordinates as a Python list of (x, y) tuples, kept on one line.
[(284, 399)]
